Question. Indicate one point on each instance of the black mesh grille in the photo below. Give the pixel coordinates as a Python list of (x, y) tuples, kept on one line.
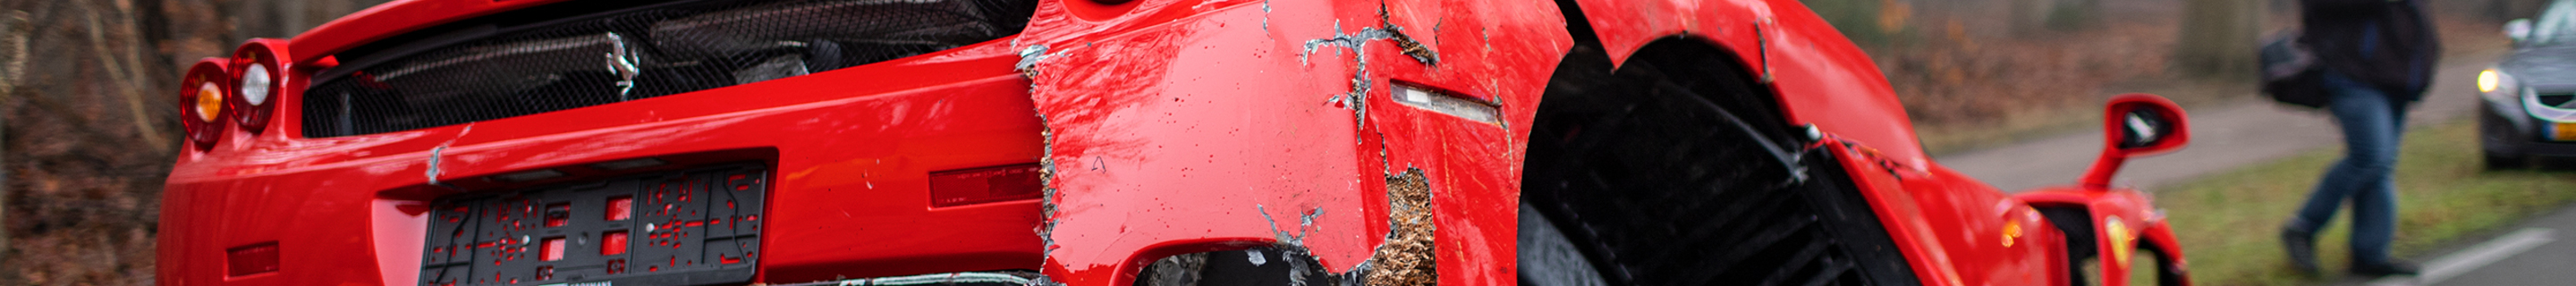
[(2557, 100), (1648, 172), (499, 72)]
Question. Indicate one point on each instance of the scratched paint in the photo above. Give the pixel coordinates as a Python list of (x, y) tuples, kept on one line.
[(1149, 128)]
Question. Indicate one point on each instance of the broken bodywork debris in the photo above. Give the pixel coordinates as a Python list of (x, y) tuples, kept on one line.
[(437, 154), (1029, 58), (1304, 221), (1408, 256), (1411, 47), (1181, 270), (1360, 84), (1390, 32)]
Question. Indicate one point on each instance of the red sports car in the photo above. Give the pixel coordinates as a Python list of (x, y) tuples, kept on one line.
[(1104, 142)]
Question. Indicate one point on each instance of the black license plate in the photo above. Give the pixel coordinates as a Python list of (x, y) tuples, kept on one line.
[(690, 227)]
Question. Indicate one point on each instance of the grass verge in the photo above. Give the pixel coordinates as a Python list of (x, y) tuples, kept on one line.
[(2229, 222)]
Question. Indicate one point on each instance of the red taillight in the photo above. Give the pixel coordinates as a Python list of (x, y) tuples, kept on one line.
[(201, 102), (984, 185), (258, 71)]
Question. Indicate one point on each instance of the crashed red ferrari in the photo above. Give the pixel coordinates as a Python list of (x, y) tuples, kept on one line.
[(1105, 142)]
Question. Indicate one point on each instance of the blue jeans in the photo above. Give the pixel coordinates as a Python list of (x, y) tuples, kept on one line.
[(2372, 123)]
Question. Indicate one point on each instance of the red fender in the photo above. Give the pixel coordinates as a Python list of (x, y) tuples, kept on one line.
[(2139, 225)]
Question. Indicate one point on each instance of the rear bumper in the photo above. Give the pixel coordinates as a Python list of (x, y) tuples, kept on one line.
[(852, 150)]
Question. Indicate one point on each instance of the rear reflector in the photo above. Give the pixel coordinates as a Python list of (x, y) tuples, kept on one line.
[(984, 185), (1445, 103), (253, 259)]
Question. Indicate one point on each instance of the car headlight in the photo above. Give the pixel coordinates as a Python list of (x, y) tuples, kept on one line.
[(2487, 80)]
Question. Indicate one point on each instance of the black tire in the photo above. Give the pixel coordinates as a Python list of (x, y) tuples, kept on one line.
[(2497, 161), (2492, 127), (1676, 170)]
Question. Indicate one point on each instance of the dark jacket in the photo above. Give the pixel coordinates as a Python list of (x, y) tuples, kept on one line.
[(2388, 43)]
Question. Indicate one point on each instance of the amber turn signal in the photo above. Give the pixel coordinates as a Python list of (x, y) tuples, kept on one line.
[(203, 105), (210, 101)]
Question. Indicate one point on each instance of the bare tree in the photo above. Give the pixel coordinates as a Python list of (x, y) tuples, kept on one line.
[(13, 66), (2030, 17), (2070, 15)]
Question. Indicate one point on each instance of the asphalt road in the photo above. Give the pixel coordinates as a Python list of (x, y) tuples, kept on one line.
[(2223, 136), (2532, 253), (2546, 263), (2231, 135)]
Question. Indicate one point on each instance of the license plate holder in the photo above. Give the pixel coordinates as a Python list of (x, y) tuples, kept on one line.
[(688, 227)]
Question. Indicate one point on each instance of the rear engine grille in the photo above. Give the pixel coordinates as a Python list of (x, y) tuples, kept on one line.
[(491, 71)]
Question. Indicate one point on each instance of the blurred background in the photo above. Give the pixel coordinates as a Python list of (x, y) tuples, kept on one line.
[(86, 98), (86, 91)]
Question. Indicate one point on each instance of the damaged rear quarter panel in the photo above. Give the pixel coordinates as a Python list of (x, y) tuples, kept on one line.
[(1175, 126)]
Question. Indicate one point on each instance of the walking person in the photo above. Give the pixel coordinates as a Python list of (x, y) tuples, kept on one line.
[(2377, 57)]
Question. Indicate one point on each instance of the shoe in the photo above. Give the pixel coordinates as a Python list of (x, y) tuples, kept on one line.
[(2303, 251), (2390, 268)]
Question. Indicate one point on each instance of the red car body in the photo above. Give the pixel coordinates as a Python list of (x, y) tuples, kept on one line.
[(1164, 127)]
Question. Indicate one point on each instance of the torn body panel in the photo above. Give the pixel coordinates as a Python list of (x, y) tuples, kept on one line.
[(1176, 135)]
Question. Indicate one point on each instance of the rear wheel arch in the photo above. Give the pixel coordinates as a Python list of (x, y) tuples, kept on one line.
[(1586, 94), (1590, 52)]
